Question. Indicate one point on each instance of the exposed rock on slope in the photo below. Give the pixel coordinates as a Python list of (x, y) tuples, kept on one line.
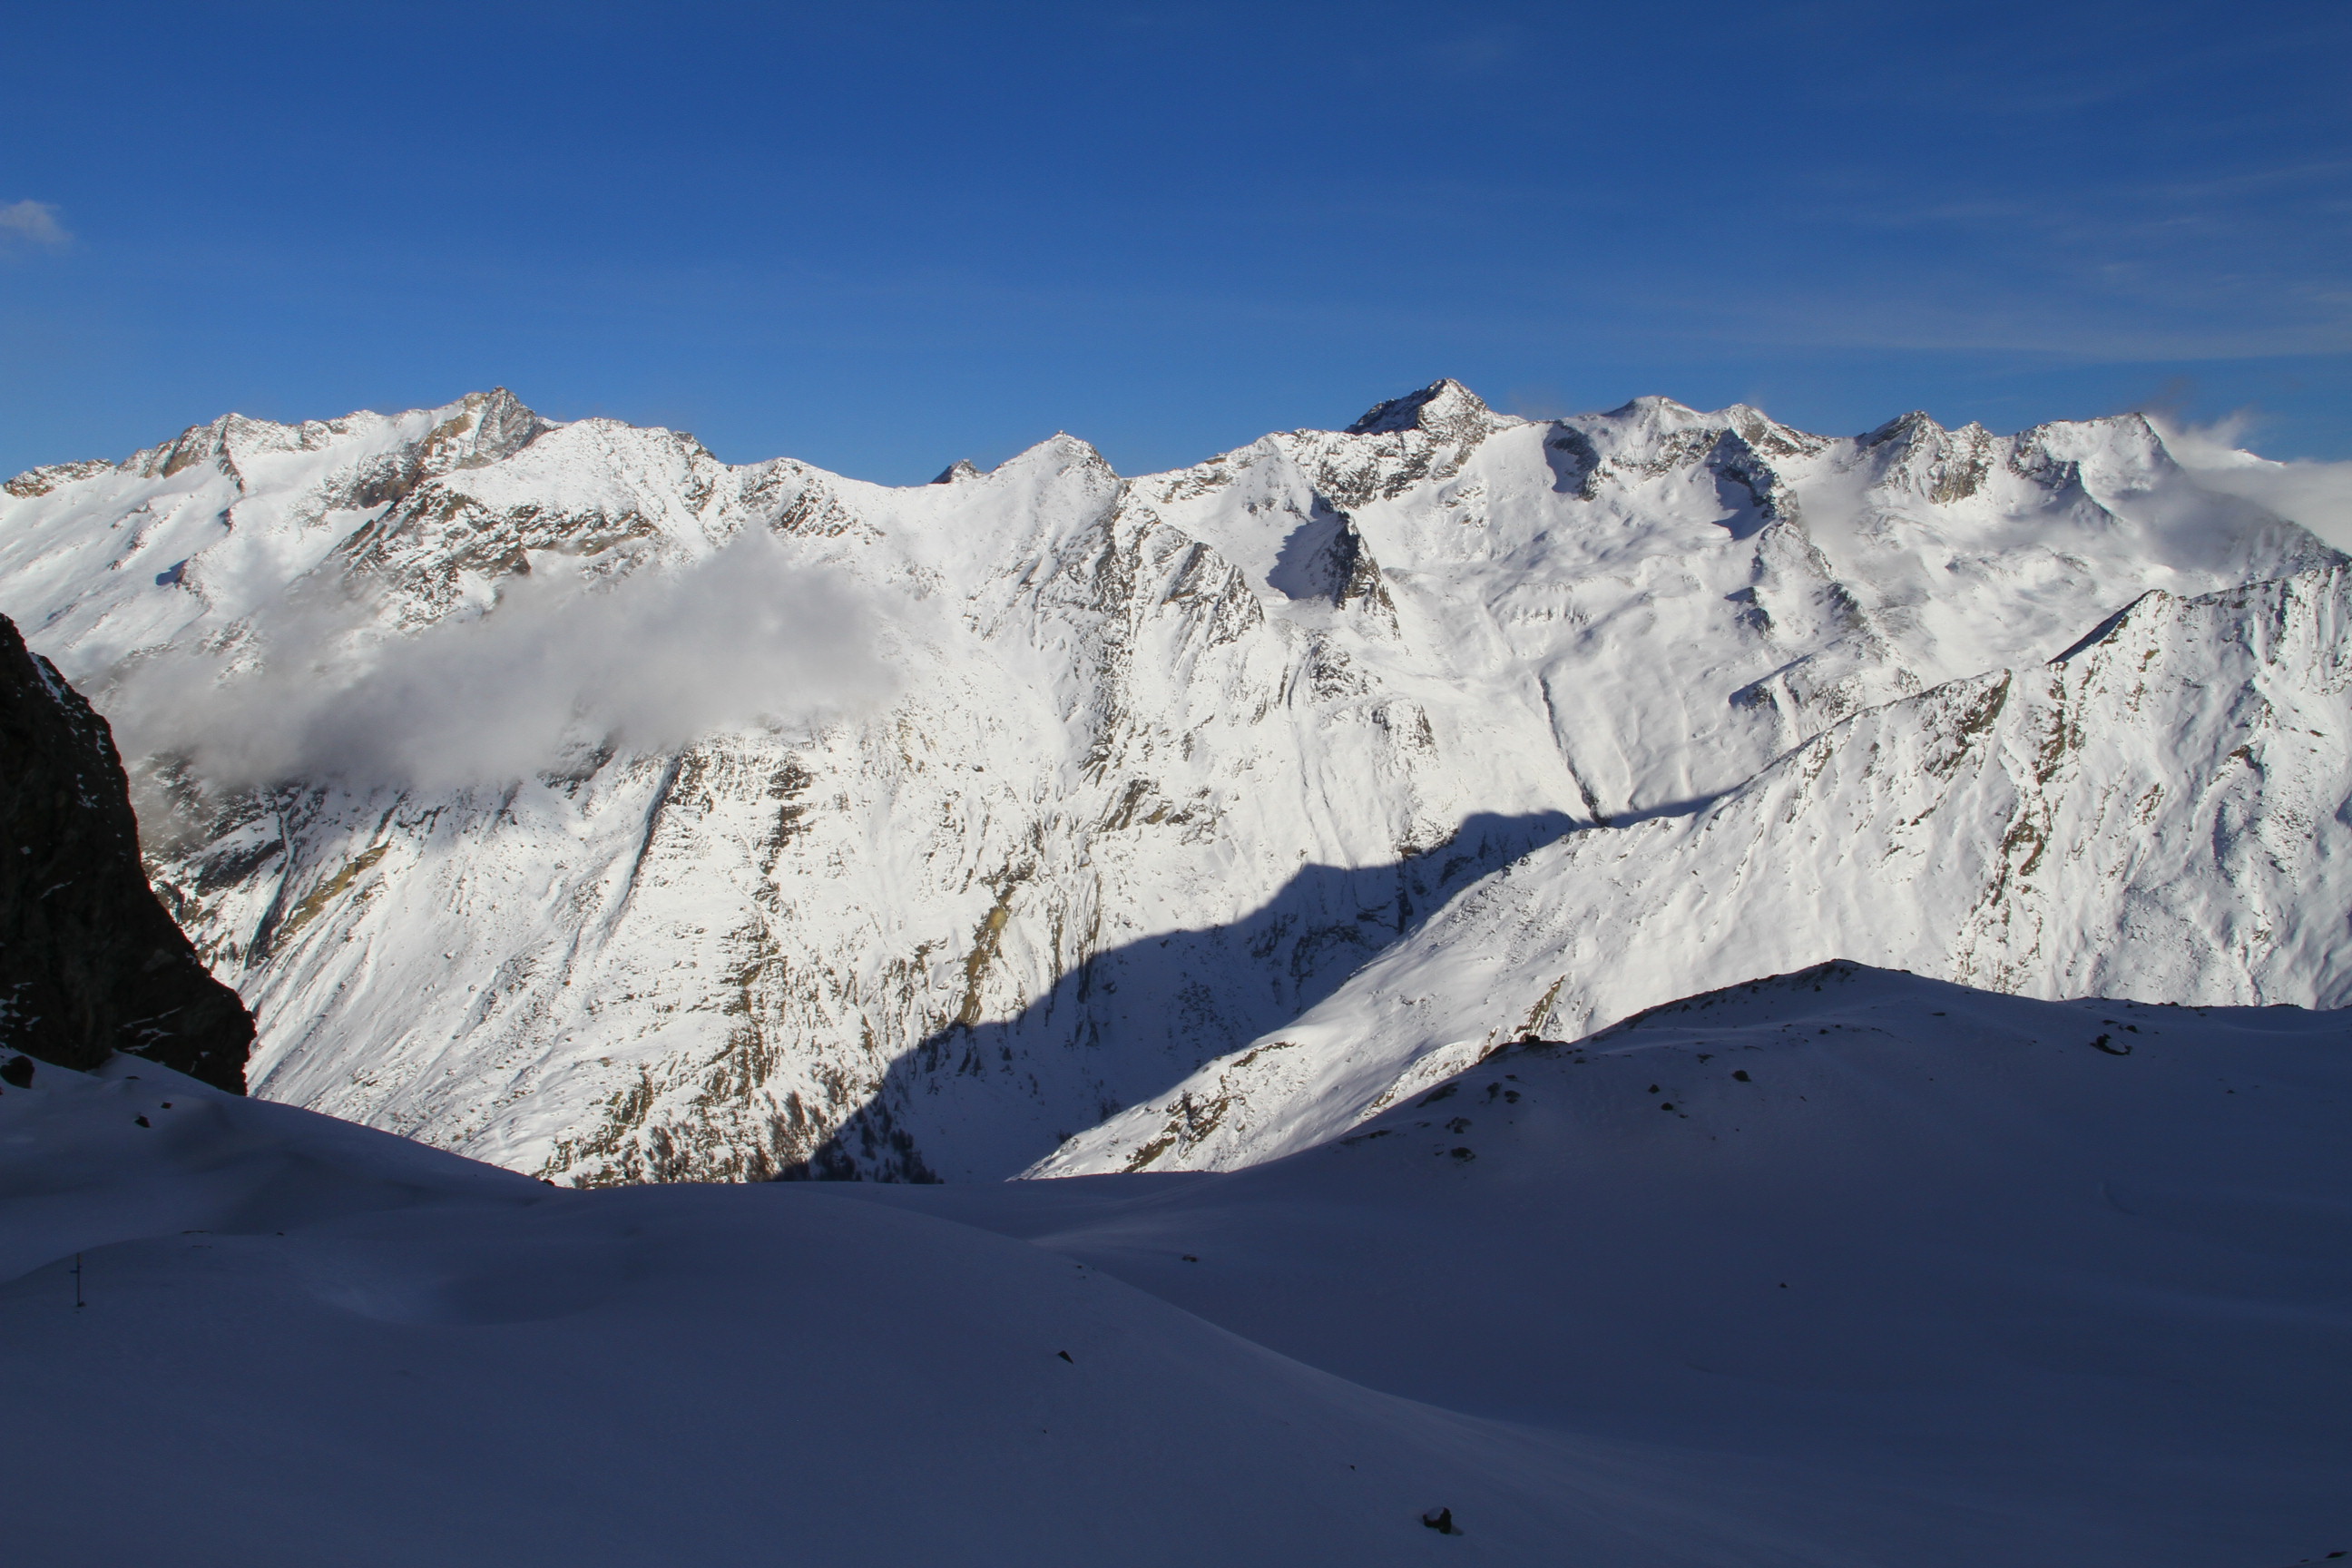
[(1171, 757), (89, 962)]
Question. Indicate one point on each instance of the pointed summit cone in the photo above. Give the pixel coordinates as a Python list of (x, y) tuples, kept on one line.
[(1445, 409), (482, 429)]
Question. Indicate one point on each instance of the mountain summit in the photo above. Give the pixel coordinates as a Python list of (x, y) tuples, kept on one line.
[(1445, 409)]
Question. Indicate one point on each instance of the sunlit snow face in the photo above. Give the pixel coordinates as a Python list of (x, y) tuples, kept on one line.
[(557, 663)]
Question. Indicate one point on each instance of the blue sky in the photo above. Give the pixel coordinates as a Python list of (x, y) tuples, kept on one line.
[(883, 237)]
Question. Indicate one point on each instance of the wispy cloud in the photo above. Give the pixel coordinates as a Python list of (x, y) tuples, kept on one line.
[(33, 223)]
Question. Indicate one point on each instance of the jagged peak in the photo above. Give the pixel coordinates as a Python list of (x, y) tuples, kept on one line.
[(495, 403), (1444, 408), (1654, 433), (479, 429), (2114, 444), (955, 473), (1902, 427), (2131, 426), (1765, 434), (191, 446), (221, 441)]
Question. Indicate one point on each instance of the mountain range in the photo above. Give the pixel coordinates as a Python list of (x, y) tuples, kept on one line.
[(1046, 820)]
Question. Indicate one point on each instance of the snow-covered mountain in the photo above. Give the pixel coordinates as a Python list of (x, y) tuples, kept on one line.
[(2159, 813), (1169, 775)]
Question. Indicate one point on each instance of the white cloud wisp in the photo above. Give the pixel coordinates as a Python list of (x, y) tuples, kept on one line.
[(33, 223)]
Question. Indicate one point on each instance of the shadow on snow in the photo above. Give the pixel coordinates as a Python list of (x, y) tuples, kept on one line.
[(985, 1101)]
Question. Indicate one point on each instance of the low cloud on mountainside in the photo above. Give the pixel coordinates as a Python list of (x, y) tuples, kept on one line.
[(2316, 495), (559, 663)]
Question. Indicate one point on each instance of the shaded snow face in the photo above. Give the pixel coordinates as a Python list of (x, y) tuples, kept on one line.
[(557, 663), (2084, 1265), (250, 1324)]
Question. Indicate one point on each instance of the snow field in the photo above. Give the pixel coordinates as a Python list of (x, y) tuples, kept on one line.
[(1943, 1279)]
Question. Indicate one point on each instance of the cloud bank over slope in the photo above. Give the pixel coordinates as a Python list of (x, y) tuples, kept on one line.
[(560, 664), (2315, 494)]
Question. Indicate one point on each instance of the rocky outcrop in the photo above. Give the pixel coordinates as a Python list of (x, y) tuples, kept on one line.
[(89, 962)]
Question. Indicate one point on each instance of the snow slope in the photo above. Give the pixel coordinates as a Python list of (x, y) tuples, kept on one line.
[(1848, 1268), (1167, 760), (1936, 1275), (304, 1343)]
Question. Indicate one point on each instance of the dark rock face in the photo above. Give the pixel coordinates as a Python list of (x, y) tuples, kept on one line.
[(89, 962)]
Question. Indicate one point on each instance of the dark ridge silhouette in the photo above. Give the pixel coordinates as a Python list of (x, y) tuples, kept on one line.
[(960, 1087), (89, 962)]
